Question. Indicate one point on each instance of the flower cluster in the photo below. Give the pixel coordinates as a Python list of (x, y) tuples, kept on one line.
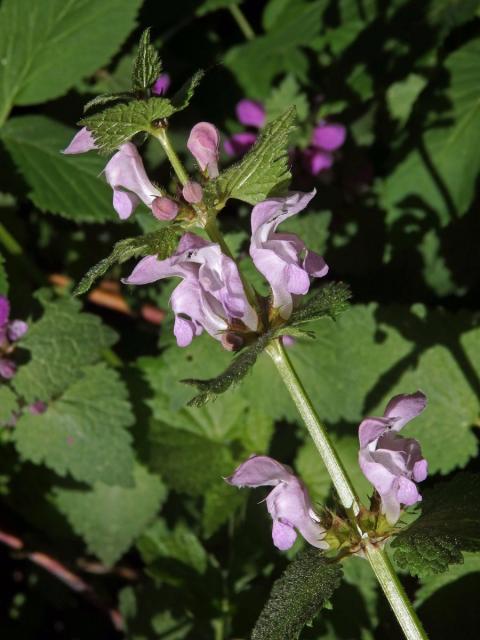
[(327, 137), (10, 332), (393, 464)]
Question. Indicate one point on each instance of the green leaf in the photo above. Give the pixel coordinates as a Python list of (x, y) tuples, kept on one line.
[(331, 301), (70, 186), (256, 63), (182, 97), (446, 15), (162, 242), (308, 582), (46, 47), (401, 96), (8, 404), (109, 519), (116, 125), (60, 344), (284, 96), (264, 170), (158, 541), (189, 463), (147, 65), (106, 98), (449, 524), (442, 169), (433, 583), (84, 431), (221, 503)]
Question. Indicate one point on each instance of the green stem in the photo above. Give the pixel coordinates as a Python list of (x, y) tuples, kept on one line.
[(395, 593), (242, 21), (162, 137), (378, 559), (340, 480), (9, 242)]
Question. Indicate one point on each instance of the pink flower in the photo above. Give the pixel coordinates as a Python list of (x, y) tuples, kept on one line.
[(250, 113), (203, 143), (315, 161), (283, 258), (164, 208), (81, 143), (239, 143), (161, 85), (393, 464), (211, 295), (328, 136), (192, 192), (126, 175), (10, 331), (288, 503)]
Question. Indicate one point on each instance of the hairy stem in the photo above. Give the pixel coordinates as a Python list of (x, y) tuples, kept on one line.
[(162, 137), (242, 22), (395, 593), (381, 565)]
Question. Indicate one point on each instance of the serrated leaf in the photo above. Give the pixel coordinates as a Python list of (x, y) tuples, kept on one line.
[(116, 125), (60, 344), (8, 404), (308, 582), (331, 301), (432, 584), (181, 543), (182, 97), (106, 98), (449, 524), (46, 47), (84, 431), (263, 171), (147, 65), (162, 243), (110, 518), (284, 96), (66, 185)]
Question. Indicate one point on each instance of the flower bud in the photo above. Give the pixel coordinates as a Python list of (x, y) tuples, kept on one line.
[(192, 192), (164, 208), (203, 143)]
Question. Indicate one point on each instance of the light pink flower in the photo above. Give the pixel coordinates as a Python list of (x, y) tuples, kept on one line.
[(81, 143), (211, 294), (164, 208), (126, 175), (283, 258), (393, 464), (203, 143), (288, 503)]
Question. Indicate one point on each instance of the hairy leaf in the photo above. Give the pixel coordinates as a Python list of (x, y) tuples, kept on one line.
[(182, 97), (8, 404), (162, 242), (60, 344), (106, 98), (449, 524), (296, 598), (116, 125), (263, 171), (432, 584), (70, 186), (147, 65), (46, 47), (331, 300), (110, 518), (84, 431)]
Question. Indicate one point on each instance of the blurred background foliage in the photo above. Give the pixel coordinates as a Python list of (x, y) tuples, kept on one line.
[(118, 480)]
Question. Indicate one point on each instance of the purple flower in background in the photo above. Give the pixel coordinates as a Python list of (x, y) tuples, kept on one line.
[(203, 143), (326, 138), (239, 143), (283, 258), (161, 85), (250, 113), (393, 464), (210, 296), (288, 503), (10, 331), (126, 175), (81, 142)]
